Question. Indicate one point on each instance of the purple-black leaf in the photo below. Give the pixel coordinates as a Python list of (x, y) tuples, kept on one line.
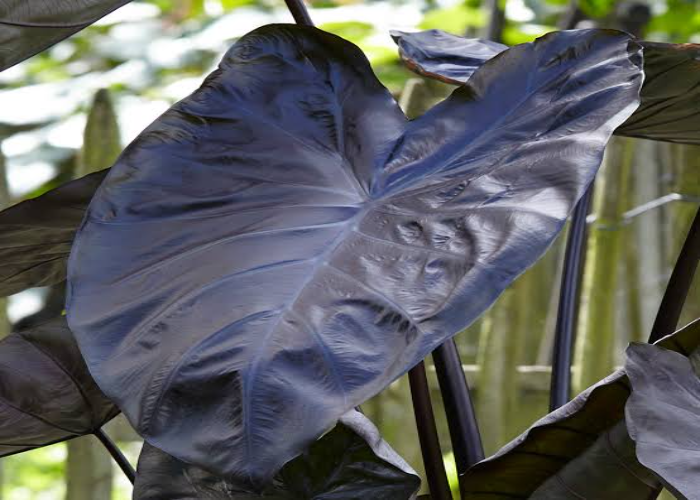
[(29, 26), (36, 235), (47, 394), (350, 462), (282, 244), (663, 416), (669, 109)]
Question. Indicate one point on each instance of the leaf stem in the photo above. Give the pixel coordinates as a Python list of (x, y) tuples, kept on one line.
[(459, 409), (427, 434), (299, 12), (679, 284), (565, 330), (116, 454)]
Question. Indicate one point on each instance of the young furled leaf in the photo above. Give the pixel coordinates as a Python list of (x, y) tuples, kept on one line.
[(47, 394), (350, 462), (663, 416), (669, 109), (574, 446), (29, 26), (282, 244), (36, 235)]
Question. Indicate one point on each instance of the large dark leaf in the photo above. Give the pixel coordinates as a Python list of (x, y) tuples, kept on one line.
[(47, 394), (29, 26), (281, 245), (36, 235), (670, 97), (663, 416), (556, 446), (350, 462)]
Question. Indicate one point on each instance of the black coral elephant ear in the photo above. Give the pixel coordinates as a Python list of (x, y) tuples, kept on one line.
[(47, 394), (282, 244)]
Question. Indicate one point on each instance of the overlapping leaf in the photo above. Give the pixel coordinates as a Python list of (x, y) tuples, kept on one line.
[(580, 447), (47, 394), (36, 235), (29, 26), (281, 245), (670, 97), (350, 462), (663, 416)]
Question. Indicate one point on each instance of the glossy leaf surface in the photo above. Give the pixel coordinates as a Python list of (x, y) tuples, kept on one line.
[(350, 462), (663, 416), (560, 438), (670, 97), (47, 394), (36, 235), (29, 26), (444, 56), (282, 244)]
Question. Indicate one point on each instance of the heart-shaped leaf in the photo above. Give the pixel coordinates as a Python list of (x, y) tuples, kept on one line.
[(669, 109), (663, 416), (47, 394), (573, 444), (281, 245), (36, 235), (29, 26), (350, 462)]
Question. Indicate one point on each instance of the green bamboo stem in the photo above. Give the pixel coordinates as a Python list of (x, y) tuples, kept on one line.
[(595, 343)]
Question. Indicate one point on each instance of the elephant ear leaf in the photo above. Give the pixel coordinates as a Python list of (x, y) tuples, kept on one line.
[(283, 244), (669, 109), (663, 416), (47, 394), (444, 56), (29, 26), (350, 462), (36, 235), (670, 97), (582, 446)]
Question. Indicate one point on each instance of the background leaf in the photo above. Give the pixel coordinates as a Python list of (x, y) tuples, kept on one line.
[(281, 245), (36, 235), (47, 394)]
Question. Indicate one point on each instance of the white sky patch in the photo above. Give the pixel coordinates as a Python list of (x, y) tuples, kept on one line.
[(516, 10), (68, 133), (23, 304), (22, 143), (130, 13), (22, 179)]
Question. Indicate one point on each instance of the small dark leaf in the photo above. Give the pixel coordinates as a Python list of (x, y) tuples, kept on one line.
[(670, 96), (281, 245), (670, 107), (29, 26), (351, 462), (47, 394), (561, 439), (36, 235), (444, 56), (663, 416)]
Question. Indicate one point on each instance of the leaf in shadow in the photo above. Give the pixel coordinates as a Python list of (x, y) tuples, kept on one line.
[(563, 444), (663, 416), (29, 26), (669, 109), (350, 462), (36, 235), (283, 244), (47, 394)]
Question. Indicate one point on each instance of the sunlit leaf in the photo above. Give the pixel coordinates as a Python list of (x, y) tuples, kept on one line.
[(575, 446), (350, 462), (47, 394), (281, 245)]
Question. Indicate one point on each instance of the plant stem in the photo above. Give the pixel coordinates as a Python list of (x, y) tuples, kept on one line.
[(679, 284), (459, 409), (117, 454), (565, 330), (299, 12), (427, 434)]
